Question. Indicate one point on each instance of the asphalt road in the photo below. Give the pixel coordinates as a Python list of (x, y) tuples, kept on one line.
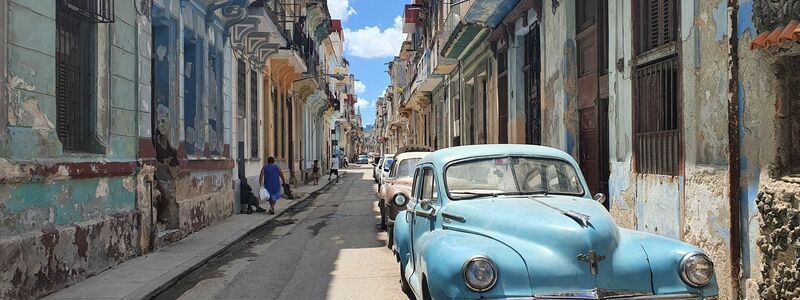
[(327, 247)]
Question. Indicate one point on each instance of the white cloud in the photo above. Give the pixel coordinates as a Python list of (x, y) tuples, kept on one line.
[(372, 42), (359, 87), (340, 9), (363, 103)]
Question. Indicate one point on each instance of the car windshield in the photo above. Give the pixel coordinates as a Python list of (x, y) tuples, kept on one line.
[(388, 163), (405, 168), (511, 176), (364, 157)]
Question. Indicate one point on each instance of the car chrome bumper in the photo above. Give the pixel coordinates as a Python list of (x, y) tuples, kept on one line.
[(600, 294)]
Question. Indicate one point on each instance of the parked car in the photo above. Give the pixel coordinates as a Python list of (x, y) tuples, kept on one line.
[(376, 169), (492, 221), (362, 159), (385, 165), (396, 190)]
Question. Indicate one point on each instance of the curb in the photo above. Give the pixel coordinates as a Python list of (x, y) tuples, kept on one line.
[(150, 291)]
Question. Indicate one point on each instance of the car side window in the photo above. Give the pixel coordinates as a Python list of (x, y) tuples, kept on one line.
[(428, 185), (415, 184), (393, 171)]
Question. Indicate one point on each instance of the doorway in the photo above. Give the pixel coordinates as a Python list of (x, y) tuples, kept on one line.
[(592, 47)]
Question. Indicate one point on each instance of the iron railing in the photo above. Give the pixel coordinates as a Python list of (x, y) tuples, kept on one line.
[(454, 16), (93, 11), (657, 119)]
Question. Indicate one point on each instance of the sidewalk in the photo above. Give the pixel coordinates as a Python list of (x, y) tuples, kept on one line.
[(147, 275)]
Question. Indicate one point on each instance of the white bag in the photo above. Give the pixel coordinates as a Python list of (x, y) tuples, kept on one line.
[(263, 193)]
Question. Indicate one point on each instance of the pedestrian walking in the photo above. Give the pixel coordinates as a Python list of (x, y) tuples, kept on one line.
[(271, 178), (315, 172), (334, 168)]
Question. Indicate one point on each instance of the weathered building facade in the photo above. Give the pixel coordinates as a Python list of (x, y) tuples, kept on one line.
[(128, 125), (71, 190), (682, 112)]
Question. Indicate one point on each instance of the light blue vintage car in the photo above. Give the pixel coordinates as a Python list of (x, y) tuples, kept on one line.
[(507, 221)]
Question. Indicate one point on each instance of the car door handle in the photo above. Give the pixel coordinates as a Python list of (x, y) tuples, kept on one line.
[(426, 214)]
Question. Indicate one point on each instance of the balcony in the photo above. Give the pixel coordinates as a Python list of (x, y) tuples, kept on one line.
[(442, 65), (467, 20), (424, 82)]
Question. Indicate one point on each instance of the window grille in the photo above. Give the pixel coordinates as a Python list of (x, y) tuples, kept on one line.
[(73, 78), (93, 11), (241, 89), (657, 127), (657, 121), (254, 114)]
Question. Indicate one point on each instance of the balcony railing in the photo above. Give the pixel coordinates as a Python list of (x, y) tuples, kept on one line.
[(454, 16), (307, 49)]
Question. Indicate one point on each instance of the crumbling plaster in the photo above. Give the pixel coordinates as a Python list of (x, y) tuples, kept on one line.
[(692, 207), (559, 96)]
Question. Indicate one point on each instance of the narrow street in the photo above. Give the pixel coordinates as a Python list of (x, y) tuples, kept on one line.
[(326, 247)]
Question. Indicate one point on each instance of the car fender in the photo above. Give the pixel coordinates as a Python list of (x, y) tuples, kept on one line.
[(444, 254), (402, 237), (665, 257)]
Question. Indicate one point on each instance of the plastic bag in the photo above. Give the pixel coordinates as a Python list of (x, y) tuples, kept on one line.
[(263, 193)]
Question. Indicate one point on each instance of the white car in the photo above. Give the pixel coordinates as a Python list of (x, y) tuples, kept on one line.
[(384, 165)]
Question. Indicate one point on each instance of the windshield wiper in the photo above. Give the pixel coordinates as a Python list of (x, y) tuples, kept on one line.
[(520, 193), (472, 194)]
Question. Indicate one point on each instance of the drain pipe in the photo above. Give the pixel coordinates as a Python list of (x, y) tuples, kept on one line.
[(734, 151)]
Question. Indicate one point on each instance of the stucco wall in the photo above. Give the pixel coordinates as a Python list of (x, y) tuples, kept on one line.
[(559, 96), (66, 216), (693, 206)]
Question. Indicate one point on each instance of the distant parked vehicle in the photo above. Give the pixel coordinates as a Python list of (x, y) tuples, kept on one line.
[(395, 193), (362, 159), (376, 169), (385, 165), (517, 221)]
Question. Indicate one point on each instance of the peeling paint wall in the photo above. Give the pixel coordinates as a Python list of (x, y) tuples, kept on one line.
[(559, 68), (694, 206), (65, 215)]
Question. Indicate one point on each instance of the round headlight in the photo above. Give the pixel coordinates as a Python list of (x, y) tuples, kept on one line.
[(696, 269), (400, 199), (480, 274)]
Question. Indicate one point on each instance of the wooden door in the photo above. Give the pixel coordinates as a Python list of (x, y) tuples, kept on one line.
[(592, 113)]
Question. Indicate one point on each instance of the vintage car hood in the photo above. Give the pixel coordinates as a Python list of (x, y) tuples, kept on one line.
[(550, 242)]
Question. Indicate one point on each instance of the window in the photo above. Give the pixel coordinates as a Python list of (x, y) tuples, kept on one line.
[(656, 24), (191, 93), (215, 98), (656, 103), (531, 72), (428, 185), (502, 94), (254, 149), (73, 78), (241, 88)]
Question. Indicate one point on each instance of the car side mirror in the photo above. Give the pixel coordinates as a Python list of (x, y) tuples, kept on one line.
[(600, 197), (426, 204)]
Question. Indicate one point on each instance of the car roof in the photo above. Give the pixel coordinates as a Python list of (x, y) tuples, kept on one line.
[(446, 155), (407, 155)]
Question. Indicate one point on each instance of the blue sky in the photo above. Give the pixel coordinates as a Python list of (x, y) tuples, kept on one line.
[(373, 36)]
